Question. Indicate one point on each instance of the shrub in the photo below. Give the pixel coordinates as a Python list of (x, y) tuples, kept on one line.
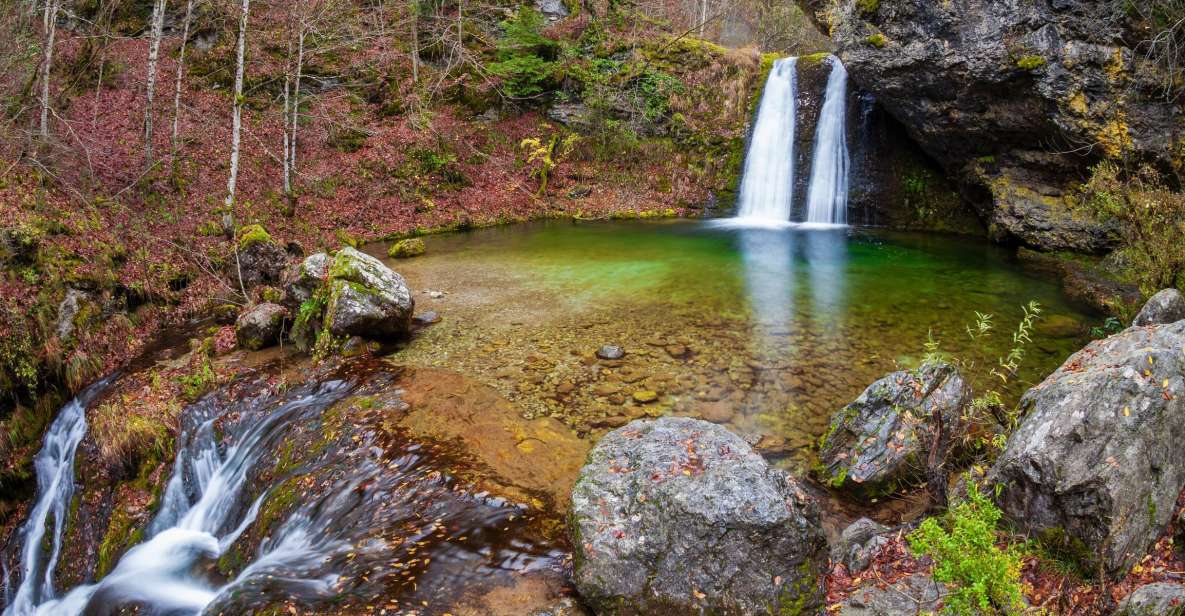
[(525, 57), (1151, 219), (877, 40), (962, 544)]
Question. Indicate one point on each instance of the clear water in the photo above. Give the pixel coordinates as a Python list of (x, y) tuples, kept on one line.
[(781, 326)]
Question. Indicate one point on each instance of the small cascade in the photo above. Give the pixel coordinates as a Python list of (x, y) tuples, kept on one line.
[(827, 193), (54, 465), (767, 185)]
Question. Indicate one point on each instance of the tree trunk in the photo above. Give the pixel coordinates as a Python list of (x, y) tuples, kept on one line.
[(158, 26), (703, 16), (415, 41), (296, 98), (50, 24), (228, 219), (180, 74)]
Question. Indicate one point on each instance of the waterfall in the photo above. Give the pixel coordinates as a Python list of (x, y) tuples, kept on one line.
[(767, 184), (827, 193), (54, 466)]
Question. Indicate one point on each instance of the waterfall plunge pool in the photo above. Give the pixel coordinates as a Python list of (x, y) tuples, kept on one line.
[(768, 330)]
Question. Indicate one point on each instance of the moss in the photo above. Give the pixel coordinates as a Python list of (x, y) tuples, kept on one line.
[(1030, 62), (868, 7), (251, 235), (121, 535), (404, 249), (876, 39)]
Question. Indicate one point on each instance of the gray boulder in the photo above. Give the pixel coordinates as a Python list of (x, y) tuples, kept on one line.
[(1167, 306), (260, 261), (259, 326), (881, 440), (553, 10), (1096, 466), (1161, 599), (858, 543), (366, 298), (915, 594), (306, 278), (680, 516)]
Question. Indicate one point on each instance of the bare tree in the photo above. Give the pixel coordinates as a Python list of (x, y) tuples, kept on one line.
[(228, 219), (292, 78), (157, 32), (50, 27), (180, 75)]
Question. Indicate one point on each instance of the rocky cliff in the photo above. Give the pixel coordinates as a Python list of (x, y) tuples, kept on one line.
[(1016, 99)]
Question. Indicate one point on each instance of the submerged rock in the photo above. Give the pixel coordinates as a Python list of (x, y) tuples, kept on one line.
[(1166, 306), (403, 249), (881, 440), (259, 326), (610, 352), (1161, 599), (680, 516), (1095, 468), (366, 298)]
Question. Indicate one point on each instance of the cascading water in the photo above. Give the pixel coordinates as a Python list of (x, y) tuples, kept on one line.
[(54, 465), (767, 184), (362, 505), (827, 193)]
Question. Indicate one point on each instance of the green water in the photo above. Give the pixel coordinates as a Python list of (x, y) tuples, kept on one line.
[(768, 331)]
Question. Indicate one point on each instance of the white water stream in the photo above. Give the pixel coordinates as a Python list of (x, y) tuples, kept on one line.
[(827, 195), (767, 184)]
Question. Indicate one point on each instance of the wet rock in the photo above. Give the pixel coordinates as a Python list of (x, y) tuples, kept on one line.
[(259, 326), (880, 441), (1058, 326), (645, 396), (403, 249), (680, 516), (1166, 306), (260, 260), (610, 352), (428, 317), (677, 351), (1095, 468), (915, 594), (858, 543), (1161, 599), (68, 311), (366, 298), (306, 278), (717, 412)]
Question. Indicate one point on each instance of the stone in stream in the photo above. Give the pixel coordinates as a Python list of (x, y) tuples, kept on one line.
[(610, 352), (404, 249), (680, 516), (880, 441), (428, 317), (1095, 468), (858, 543), (1160, 599), (1166, 306), (366, 298), (305, 279), (259, 326)]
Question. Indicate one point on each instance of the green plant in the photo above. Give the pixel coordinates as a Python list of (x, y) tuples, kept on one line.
[(544, 158), (199, 381), (526, 58), (868, 7), (1110, 325), (877, 40), (1151, 218), (962, 544), (1030, 63), (1010, 363)]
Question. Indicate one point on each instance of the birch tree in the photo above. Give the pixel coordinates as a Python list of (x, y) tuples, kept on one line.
[(292, 78), (158, 26), (50, 27), (180, 76), (228, 219)]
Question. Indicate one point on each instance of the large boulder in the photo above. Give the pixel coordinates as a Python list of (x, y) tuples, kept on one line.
[(680, 516), (1096, 466), (1160, 599), (366, 298), (304, 279), (880, 441), (259, 326), (1017, 99), (259, 260), (1167, 306)]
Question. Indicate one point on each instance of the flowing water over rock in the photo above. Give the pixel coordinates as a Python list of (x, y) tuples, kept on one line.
[(767, 185), (307, 496), (827, 195)]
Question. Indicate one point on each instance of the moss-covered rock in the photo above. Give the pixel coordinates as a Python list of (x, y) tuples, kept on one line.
[(403, 249)]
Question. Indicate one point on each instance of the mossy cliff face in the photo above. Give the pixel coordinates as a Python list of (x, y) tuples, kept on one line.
[(1033, 93)]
